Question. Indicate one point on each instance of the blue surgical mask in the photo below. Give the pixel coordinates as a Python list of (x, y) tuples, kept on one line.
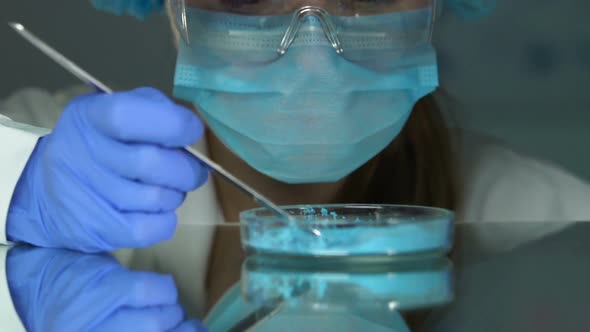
[(310, 115)]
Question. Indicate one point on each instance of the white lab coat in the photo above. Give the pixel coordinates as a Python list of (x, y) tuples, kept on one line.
[(500, 185)]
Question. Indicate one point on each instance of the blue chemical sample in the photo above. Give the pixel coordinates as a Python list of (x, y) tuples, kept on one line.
[(310, 213), (361, 236)]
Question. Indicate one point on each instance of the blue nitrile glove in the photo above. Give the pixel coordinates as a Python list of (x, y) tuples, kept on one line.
[(190, 326), (61, 290), (109, 176), (138, 8)]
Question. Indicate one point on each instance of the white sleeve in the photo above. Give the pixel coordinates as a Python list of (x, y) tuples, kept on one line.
[(37, 108), (8, 315), (17, 144), (520, 199), (17, 141)]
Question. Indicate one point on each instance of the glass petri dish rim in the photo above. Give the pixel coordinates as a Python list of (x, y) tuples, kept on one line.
[(436, 213)]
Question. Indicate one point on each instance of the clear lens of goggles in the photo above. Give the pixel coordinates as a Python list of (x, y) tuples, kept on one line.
[(265, 29)]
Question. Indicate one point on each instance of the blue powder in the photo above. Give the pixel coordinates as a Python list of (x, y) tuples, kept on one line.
[(310, 213), (361, 237), (309, 210)]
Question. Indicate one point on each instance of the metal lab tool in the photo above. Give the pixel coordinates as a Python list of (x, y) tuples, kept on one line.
[(92, 81)]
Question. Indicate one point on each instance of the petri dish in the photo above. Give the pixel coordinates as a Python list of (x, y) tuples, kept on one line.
[(361, 231)]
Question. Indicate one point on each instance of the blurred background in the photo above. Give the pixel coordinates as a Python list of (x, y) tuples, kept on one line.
[(519, 75)]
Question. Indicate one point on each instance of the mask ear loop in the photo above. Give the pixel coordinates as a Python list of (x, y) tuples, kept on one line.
[(326, 22), (179, 11)]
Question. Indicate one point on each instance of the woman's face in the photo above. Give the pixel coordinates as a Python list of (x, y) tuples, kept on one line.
[(322, 108), (336, 7)]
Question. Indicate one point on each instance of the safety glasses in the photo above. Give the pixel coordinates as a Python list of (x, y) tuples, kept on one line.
[(266, 29)]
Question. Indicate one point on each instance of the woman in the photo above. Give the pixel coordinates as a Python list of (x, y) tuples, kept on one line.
[(331, 117)]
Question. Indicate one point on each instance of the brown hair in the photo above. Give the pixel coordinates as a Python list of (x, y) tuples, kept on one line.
[(419, 167)]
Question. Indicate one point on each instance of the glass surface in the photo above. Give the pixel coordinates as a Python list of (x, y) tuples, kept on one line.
[(364, 231), (339, 296), (487, 283)]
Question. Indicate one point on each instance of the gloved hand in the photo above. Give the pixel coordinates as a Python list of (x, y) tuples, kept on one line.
[(60, 290), (138, 8), (109, 176)]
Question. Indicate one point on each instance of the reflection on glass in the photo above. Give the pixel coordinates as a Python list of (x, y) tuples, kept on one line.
[(317, 295), (61, 290)]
